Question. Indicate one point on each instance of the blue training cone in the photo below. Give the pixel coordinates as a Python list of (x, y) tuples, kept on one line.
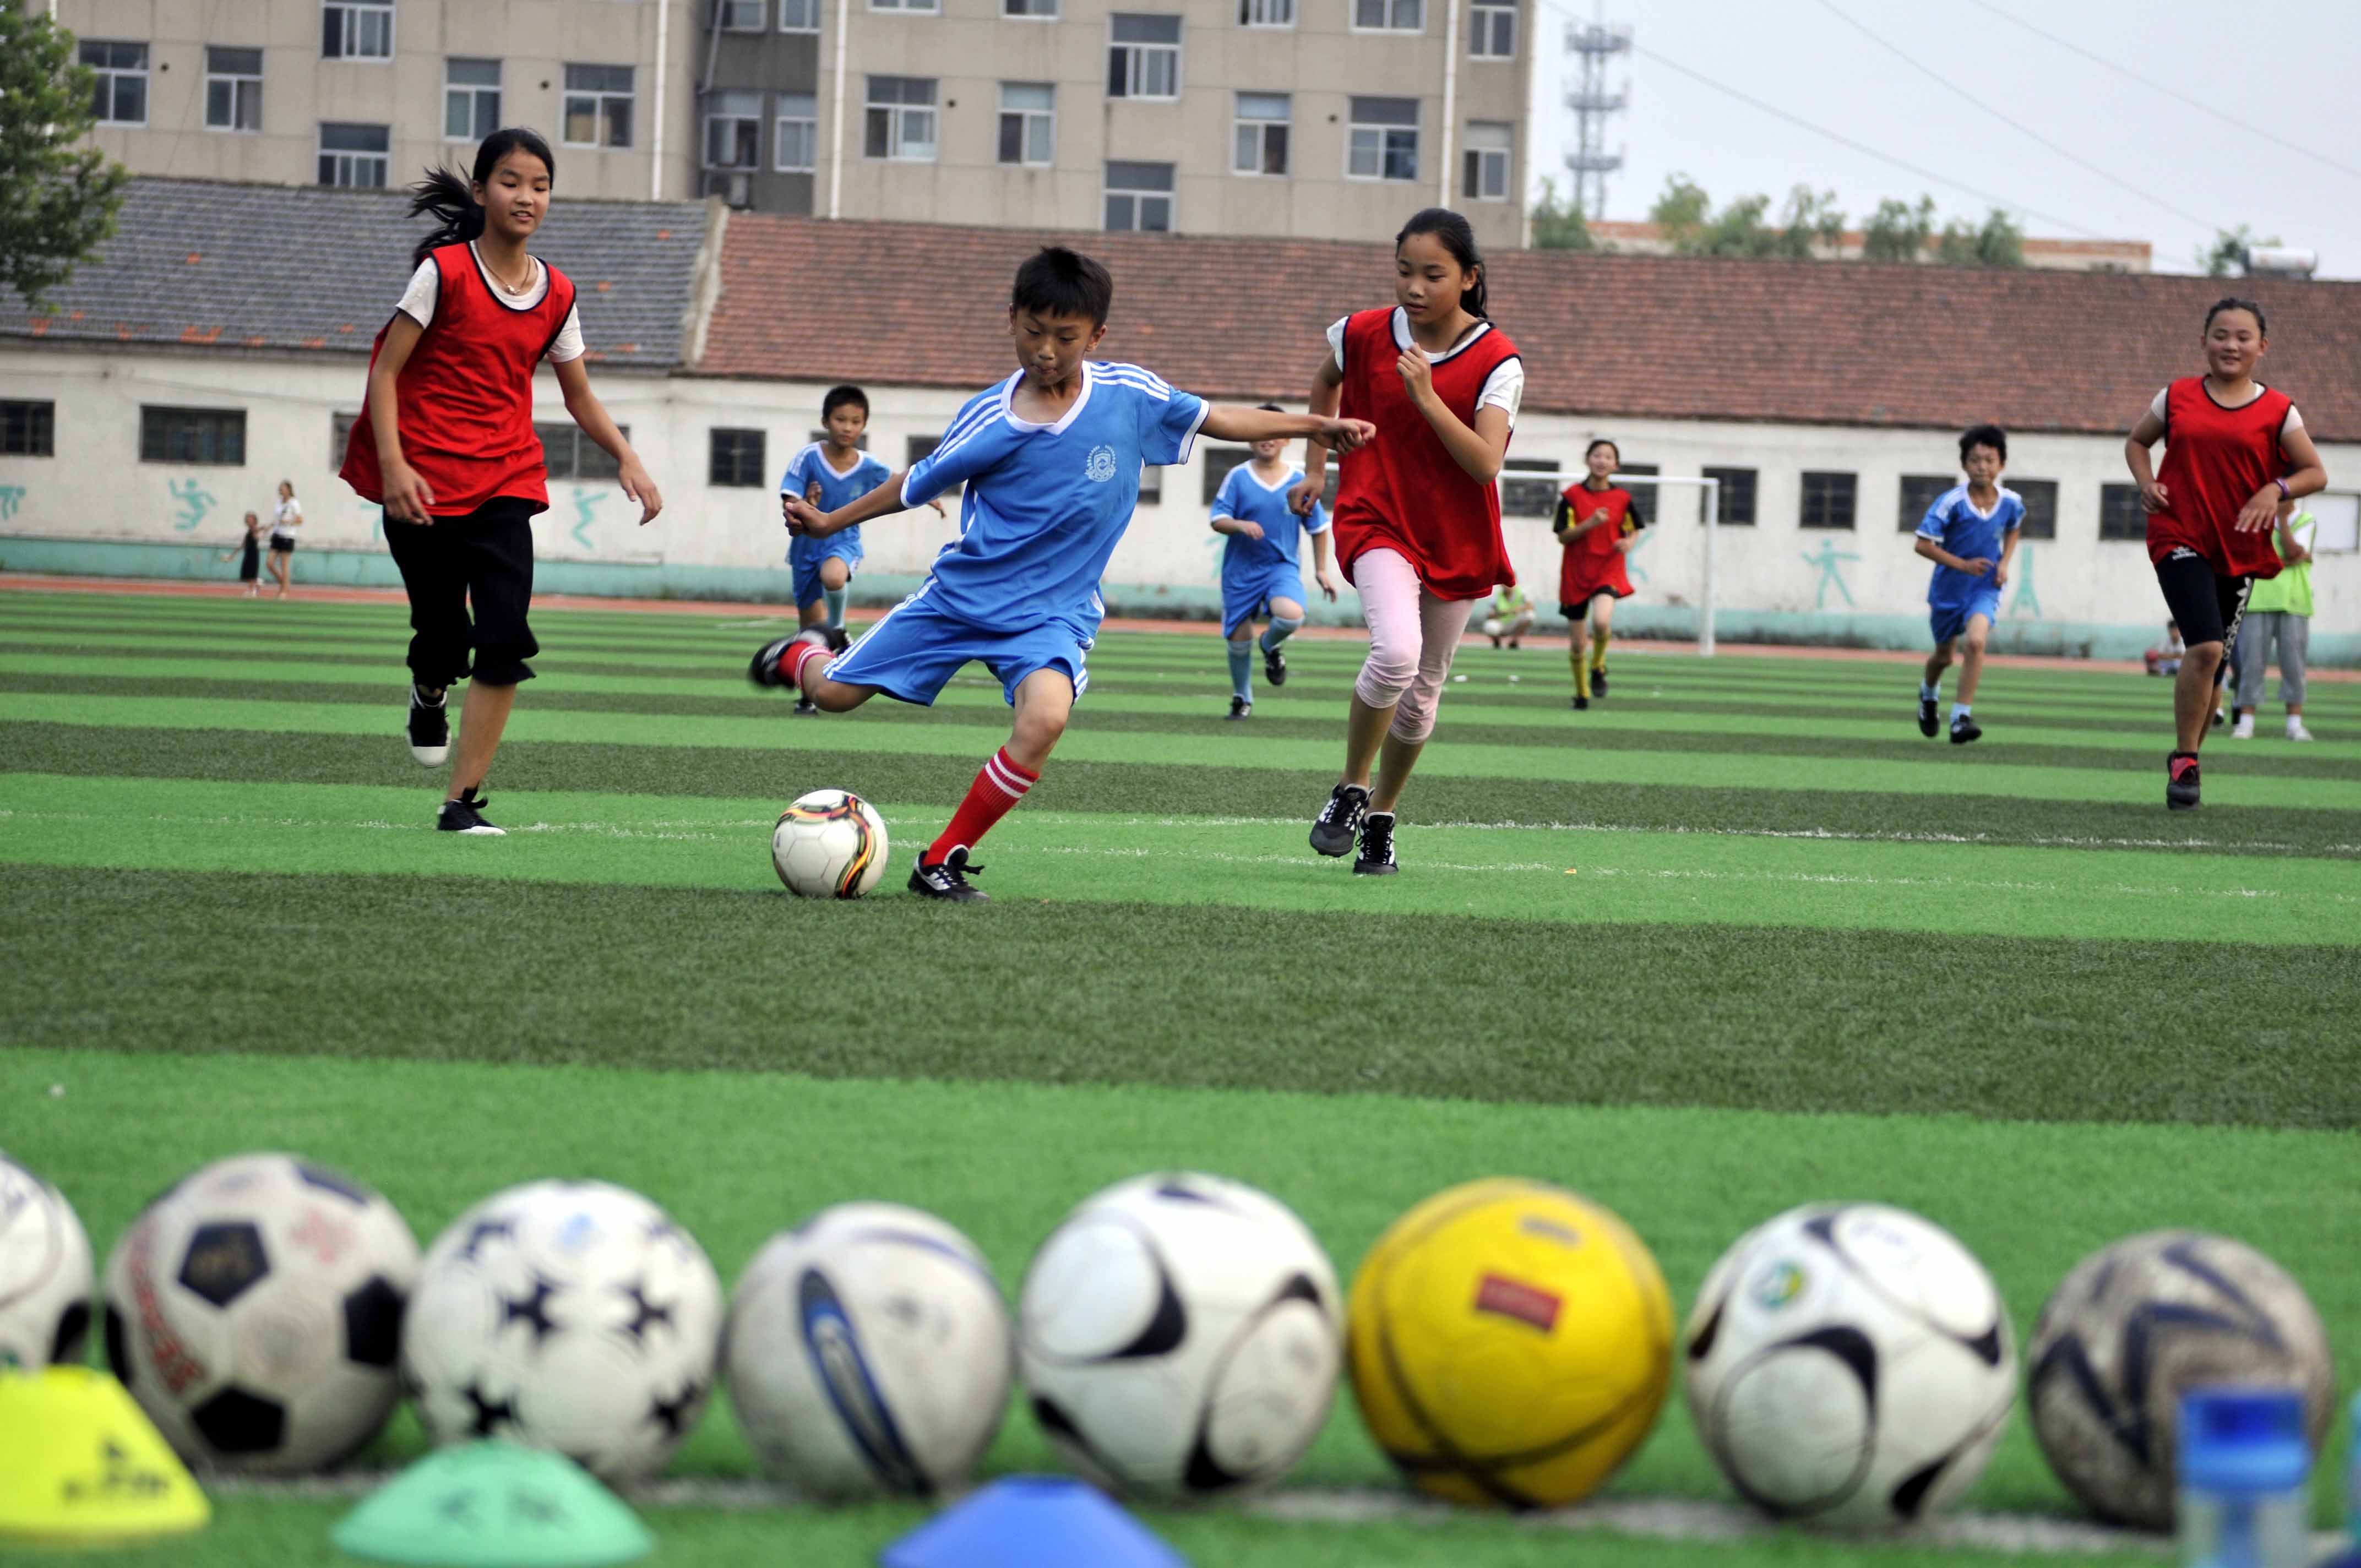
[(1032, 1521)]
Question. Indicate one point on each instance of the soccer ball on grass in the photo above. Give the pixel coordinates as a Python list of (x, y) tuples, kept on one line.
[(829, 844), (45, 1277)]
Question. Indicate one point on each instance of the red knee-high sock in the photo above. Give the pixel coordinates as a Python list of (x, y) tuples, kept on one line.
[(792, 662), (1001, 784)]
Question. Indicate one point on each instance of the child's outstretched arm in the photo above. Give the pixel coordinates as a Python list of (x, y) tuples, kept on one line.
[(1327, 396), (813, 523), (1235, 421), (574, 380)]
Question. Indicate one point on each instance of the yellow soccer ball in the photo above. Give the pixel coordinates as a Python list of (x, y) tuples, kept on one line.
[(1509, 1344)]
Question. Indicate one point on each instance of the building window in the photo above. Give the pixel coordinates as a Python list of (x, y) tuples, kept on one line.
[(1828, 499), (798, 137), (2040, 498), (1384, 142), (1919, 491), (1266, 13), (2120, 516), (356, 29), (598, 99), (799, 16), (736, 458), (1642, 495), (120, 94), (928, 5), (1484, 163), (1219, 461), (1527, 497), (1144, 58), (570, 455), (1028, 130), (233, 89), (1259, 135), (733, 130), (193, 436), (1390, 16), (354, 155), (1033, 10), (1139, 196), (1734, 500), (901, 122), (27, 429), (1492, 31), (741, 16), (471, 99)]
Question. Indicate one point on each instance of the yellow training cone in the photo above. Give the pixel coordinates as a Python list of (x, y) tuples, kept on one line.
[(81, 1465)]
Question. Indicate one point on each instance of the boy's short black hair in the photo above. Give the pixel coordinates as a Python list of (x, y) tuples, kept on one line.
[(1056, 281), (1990, 435), (840, 395)]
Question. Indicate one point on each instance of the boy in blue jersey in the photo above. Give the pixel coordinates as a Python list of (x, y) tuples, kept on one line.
[(1970, 534), (1051, 459), (1259, 572)]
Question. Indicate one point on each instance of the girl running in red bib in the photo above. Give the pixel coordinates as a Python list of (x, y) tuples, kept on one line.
[(1599, 525), (1418, 518), (2234, 449), (446, 443)]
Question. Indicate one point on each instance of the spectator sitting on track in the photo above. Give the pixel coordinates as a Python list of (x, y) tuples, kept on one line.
[(1511, 615), (2165, 659)]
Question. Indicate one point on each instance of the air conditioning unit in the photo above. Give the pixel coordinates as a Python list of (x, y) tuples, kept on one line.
[(735, 186)]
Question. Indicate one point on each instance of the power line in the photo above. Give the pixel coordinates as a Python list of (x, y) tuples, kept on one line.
[(2019, 126), (2173, 92)]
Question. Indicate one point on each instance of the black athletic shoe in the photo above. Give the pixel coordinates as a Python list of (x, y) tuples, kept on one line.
[(1580, 702), (1274, 666), (1376, 856), (430, 727), (1930, 718), (2181, 782), (1964, 730), (805, 708), (947, 880), (764, 670), (1240, 707), (1332, 829), (465, 815), (838, 639), (1598, 680), (1495, 642), (2220, 719)]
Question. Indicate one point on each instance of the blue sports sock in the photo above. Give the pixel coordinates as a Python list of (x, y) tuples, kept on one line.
[(1242, 671), (1959, 711), (834, 599), (1929, 692), (1280, 631)]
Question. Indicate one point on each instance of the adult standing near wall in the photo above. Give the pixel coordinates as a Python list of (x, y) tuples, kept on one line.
[(2279, 611), (285, 518)]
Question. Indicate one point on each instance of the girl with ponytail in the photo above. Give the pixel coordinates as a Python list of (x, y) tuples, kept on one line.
[(1418, 516), (446, 443)]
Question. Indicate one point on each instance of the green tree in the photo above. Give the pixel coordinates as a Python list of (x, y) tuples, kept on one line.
[(1898, 231), (2232, 251), (1811, 224), (1997, 242), (1681, 214), (58, 199), (1558, 223)]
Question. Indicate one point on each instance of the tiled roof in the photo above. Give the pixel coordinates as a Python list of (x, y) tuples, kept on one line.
[(1816, 343), (296, 268)]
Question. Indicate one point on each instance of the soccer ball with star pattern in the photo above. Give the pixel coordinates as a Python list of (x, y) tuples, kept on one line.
[(567, 1315)]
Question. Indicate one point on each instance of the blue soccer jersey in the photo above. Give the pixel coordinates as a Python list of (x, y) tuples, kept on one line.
[(1954, 523), (1247, 498), (835, 490), (1046, 504)]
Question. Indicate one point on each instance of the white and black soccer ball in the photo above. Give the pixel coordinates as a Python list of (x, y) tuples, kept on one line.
[(45, 1275), (829, 844), (565, 1315), (869, 1354), (1850, 1365), (255, 1313), (1181, 1337), (2135, 1325)]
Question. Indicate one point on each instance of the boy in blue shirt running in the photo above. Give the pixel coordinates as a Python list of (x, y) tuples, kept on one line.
[(1051, 459), (1259, 573), (1970, 534)]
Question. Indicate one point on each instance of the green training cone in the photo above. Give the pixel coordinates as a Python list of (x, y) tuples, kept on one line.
[(494, 1504)]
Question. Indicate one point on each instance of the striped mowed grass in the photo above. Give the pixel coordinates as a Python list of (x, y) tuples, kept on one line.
[(1735, 939)]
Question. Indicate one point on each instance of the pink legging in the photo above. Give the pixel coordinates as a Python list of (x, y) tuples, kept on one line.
[(1412, 635)]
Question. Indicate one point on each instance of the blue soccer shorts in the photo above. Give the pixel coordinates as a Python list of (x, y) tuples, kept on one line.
[(805, 555), (1248, 595), (913, 652), (1950, 620)]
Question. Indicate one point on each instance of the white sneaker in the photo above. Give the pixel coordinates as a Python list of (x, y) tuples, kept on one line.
[(2296, 731), (2244, 728)]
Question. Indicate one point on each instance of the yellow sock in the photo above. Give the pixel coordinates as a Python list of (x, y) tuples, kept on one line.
[(1581, 671), (1599, 652)]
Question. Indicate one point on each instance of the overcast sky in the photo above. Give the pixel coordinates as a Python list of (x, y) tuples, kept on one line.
[(2285, 66)]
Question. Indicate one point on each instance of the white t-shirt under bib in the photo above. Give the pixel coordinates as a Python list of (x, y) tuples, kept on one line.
[(426, 287)]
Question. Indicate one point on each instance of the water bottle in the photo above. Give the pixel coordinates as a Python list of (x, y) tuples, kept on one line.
[(2351, 1556), (2243, 1465)]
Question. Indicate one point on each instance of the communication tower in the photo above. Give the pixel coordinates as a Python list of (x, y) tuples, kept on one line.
[(1595, 46)]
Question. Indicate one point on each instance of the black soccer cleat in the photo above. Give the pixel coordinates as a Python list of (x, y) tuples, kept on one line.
[(763, 669), (838, 639), (1332, 829), (465, 815), (1274, 666), (430, 727), (1930, 718), (2181, 782), (1598, 680), (1239, 708), (1580, 702), (1964, 730), (1376, 856), (947, 880), (805, 708)]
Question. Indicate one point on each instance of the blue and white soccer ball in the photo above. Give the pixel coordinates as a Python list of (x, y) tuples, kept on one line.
[(45, 1274), (1850, 1365), (1181, 1336), (565, 1315), (869, 1354), (829, 844)]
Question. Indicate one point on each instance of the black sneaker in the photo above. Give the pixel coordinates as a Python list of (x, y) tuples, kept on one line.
[(838, 639), (465, 815), (2181, 782), (947, 880), (1965, 729), (430, 727), (805, 709), (1495, 642), (1376, 856), (2220, 719), (1332, 829), (1240, 707), (764, 670), (1930, 718), (1598, 680), (1274, 666), (1580, 702)]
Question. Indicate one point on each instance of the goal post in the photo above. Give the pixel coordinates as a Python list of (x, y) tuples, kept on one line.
[(1708, 516)]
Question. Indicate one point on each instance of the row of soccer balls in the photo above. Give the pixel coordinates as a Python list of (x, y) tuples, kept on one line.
[(1179, 1336)]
